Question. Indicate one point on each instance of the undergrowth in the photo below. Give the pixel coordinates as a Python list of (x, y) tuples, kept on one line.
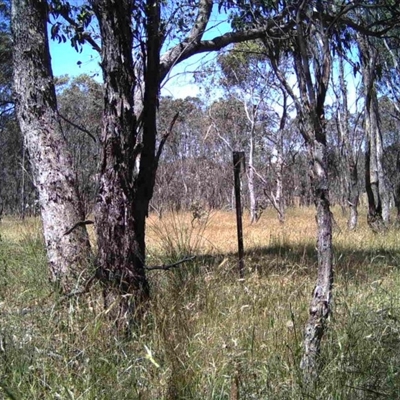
[(206, 334)]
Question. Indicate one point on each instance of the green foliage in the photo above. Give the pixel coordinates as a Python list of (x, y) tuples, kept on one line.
[(243, 63), (80, 16), (246, 13)]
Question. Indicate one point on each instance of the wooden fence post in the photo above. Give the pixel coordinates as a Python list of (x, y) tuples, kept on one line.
[(238, 167)]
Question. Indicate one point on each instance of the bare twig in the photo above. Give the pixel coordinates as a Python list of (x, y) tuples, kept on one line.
[(165, 137), (170, 266), (78, 127), (368, 390)]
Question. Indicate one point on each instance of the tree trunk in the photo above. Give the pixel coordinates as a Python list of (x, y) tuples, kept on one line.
[(279, 199), (61, 209), (250, 181), (320, 306), (353, 195), (350, 156), (119, 226), (378, 198)]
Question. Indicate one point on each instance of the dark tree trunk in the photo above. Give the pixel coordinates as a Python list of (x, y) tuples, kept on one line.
[(353, 194), (128, 169), (397, 191), (374, 216), (119, 227), (61, 208)]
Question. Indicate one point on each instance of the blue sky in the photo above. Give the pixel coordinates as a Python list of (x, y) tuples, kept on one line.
[(65, 60), (179, 83)]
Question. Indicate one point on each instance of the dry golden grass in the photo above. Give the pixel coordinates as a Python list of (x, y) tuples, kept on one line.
[(208, 334)]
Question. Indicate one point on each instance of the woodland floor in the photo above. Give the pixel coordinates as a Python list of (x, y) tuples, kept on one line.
[(207, 334)]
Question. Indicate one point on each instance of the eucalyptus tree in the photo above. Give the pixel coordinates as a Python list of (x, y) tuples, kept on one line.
[(246, 76), (308, 45), (135, 58), (10, 140), (376, 52), (190, 170), (51, 162), (311, 55), (390, 124), (375, 179), (389, 107), (349, 143)]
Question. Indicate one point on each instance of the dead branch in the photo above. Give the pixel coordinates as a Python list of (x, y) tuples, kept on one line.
[(170, 266), (165, 137), (80, 128)]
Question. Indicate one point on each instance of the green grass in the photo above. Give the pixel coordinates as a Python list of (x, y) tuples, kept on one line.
[(207, 334)]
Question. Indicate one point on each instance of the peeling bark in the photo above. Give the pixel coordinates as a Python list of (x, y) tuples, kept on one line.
[(54, 178)]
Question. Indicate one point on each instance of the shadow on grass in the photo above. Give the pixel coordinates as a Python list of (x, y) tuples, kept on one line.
[(302, 259)]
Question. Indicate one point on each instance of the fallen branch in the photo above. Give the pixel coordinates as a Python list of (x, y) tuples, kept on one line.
[(170, 266)]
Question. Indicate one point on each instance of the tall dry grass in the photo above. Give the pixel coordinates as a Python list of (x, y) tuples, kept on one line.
[(207, 334)]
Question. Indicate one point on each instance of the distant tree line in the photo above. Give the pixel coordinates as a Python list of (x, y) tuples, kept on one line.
[(196, 165)]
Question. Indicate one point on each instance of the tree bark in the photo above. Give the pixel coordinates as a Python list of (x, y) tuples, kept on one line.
[(378, 197), (320, 306), (350, 157), (250, 178), (353, 195), (280, 163), (119, 226), (279, 199), (61, 208)]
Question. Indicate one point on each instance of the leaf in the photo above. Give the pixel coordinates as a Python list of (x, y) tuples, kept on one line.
[(55, 30)]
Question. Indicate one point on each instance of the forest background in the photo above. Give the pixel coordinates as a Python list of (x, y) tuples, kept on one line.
[(283, 98)]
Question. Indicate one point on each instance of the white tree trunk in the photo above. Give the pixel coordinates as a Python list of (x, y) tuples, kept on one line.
[(52, 170), (280, 204), (250, 182)]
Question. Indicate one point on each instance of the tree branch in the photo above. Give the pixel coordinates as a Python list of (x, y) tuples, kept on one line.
[(80, 223), (85, 35), (191, 45), (165, 137), (200, 25), (170, 266), (77, 127)]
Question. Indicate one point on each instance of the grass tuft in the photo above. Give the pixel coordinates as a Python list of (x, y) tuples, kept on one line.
[(208, 334)]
